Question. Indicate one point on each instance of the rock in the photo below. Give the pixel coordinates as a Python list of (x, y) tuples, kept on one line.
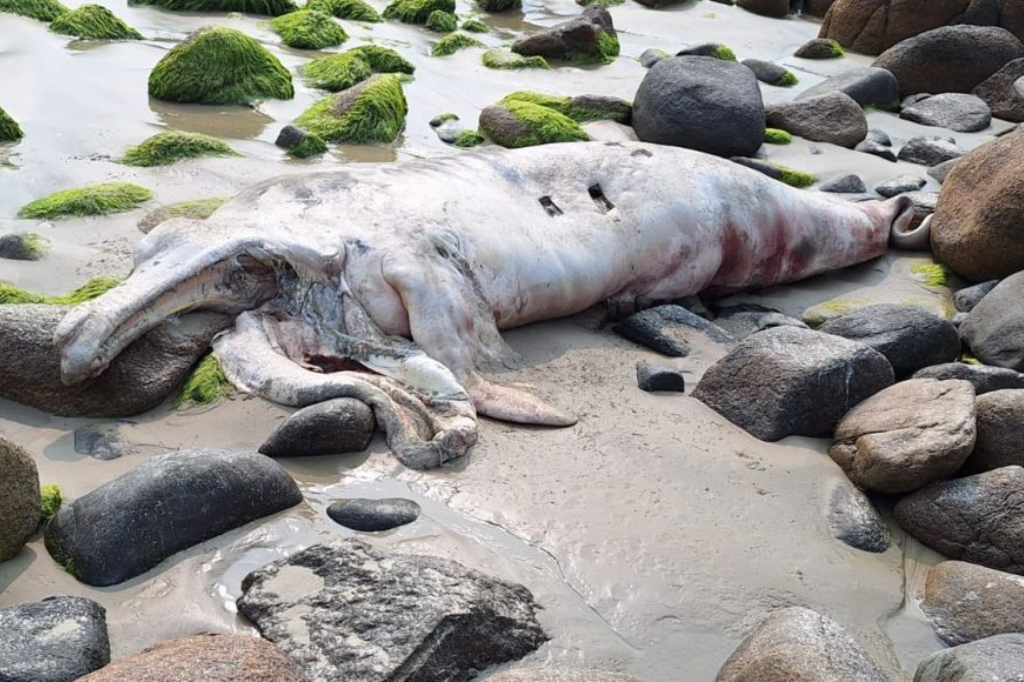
[(984, 378), (374, 515), (994, 329), (994, 659), (290, 136), (790, 381), (855, 521), (650, 377), (103, 440), (742, 320), (333, 427), (978, 224), (705, 50), (206, 658), (668, 329), (929, 150), (769, 72), (998, 92), (348, 612), (924, 206), (907, 436), (819, 48), (1018, 86), (940, 171), (1000, 420), (588, 37), (560, 675), (876, 149), (966, 602), (58, 639), (767, 8), (834, 117), (967, 298), (955, 111), (900, 185), (799, 644), (937, 61), (111, 534), (868, 86), (518, 124), (879, 137), (28, 246), (652, 56), (20, 504), (701, 103), (851, 183), (908, 336), (978, 518), (817, 8), (958, 320), (139, 379), (372, 110)]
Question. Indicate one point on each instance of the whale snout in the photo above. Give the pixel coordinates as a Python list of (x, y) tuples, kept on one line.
[(901, 234)]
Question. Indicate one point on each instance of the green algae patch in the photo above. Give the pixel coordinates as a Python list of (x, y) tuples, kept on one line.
[(43, 10), (452, 43), (97, 286), (166, 148), (353, 10), (311, 145), (101, 199), (579, 109), (337, 72), (795, 178), (475, 26), (723, 52), (308, 30), (417, 11), (777, 136), (515, 124), (444, 118), (469, 138), (10, 131), (440, 21), (25, 246), (220, 66), (205, 385), (499, 5), (836, 48), (932, 274), (818, 315), (373, 111), (93, 22), (503, 59), (787, 80), (196, 209), (383, 59), (12, 295), (51, 501), (270, 8)]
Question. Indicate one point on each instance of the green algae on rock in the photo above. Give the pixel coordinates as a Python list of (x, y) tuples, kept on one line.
[(23, 246), (93, 22), (372, 111), (932, 274), (580, 109), (602, 3), (516, 124), (795, 178), (101, 199), (196, 209), (417, 11), (452, 43), (353, 10), (787, 80), (218, 65), (383, 59), (43, 10), (311, 145), (169, 147), (499, 5), (336, 72), (51, 499), (205, 384), (440, 21), (474, 26), (469, 138), (270, 8), (10, 131), (503, 59), (777, 136), (308, 30), (97, 286)]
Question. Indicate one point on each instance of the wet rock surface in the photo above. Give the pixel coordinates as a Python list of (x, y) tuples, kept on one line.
[(332, 427), (347, 611), (929, 150), (819, 48), (994, 329), (994, 659), (965, 299), (855, 521), (19, 498), (743, 320), (668, 329), (577, 37), (833, 117), (1000, 442), (104, 440), (999, 94), (374, 515), (966, 602), (958, 112), (982, 377), (844, 184), (900, 185), (767, 72), (58, 639)]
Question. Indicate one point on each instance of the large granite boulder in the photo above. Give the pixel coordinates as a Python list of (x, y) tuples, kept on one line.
[(976, 518), (332, 427), (20, 503), (56, 640), (701, 103), (998, 92), (139, 379), (590, 36), (799, 644), (978, 228), (984, 378), (348, 612), (789, 381), (994, 659), (162, 506), (950, 59), (965, 602), (867, 86), (1000, 442), (994, 329), (833, 117)]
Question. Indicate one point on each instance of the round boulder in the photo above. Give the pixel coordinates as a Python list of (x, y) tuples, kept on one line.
[(701, 103), (966, 602), (333, 427), (995, 659), (1000, 442), (833, 117), (994, 329), (374, 515), (20, 503)]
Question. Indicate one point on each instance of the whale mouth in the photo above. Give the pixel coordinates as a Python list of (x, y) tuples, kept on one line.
[(901, 234)]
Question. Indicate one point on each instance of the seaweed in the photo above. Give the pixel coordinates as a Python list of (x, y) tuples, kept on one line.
[(373, 111), (271, 8), (353, 10), (51, 501), (777, 136), (383, 59), (195, 209), (10, 131), (311, 145), (542, 126), (169, 147), (440, 21), (308, 30), (570, 107), (468, 138), (475, 26), (94, 22), (43, 10), (205, 384), (337, 72), (787, 80), (452, 43), (101, 199), (934, 274), (97, 286), (502, 59)]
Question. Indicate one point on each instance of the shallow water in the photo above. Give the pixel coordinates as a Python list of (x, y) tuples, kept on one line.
[(654, 533)]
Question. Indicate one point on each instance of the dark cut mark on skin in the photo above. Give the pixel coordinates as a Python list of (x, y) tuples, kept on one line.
[(549, 206), (330, 364), (641, 152), (597, 194)]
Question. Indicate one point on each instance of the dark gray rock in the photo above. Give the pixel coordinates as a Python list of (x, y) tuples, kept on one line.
[(790, 381), (19, 499), (348, 612), (1018, 86), (333, 427), (819, 48), (967, 298), (869, 86), (955, 111), (668, 329), (855, 521), (578, 38), (290, 136), (908, 336), (978, 518), (994, 330), (374, 515), (701, 103), (22, 247), (799, 644), (1000, 431), (940, 171), (958, 319), (139, 379), (876, 149), (652, 56), (766, 8), (994, 659), (851, 183), (879, 137), (965, 602), (999, 94), (834, 117), (114, 533), (58, 639), (742, 320), (984, 378), (650, 377), (929, 150), (767, 72), (702, 50), (104, 440), (900, 185)]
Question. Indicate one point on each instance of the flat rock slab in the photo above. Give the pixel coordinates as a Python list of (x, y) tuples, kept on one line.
[(956, 111), (162, 506), (333, 427), (204, 658), (668, 329), (966, 602), (56, 640), (984, 378), (374, 515), (900, 185), (345, 611), (994, 659), (20, 503)]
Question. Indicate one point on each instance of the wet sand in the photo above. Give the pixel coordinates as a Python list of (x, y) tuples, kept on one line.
[(654, 533)]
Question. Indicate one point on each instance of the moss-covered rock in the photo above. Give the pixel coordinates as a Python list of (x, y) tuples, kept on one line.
[(503, 59), (353, 10), (196, 209), (311, 145), (469, 138), (499, 5), (795, 178), (10, 131), (336, 72), (589, 38), (308, 30), (373, 111), (452, 43), (440, 21), (51, 499), (169, 147), (43, 10), (580, 109), (95, 287), (516, 123), (787, 80), (474, 26), (383, 59), (270, 8), (24, 246), (205, 385), (101, 199), (417, 11), (219, 65), (602, 3), (93, 22)]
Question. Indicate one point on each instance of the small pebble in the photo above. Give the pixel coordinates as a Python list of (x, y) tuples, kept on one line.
[(659, 378)]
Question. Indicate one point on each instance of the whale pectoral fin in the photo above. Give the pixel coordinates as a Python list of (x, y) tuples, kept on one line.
[(514, 405)]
